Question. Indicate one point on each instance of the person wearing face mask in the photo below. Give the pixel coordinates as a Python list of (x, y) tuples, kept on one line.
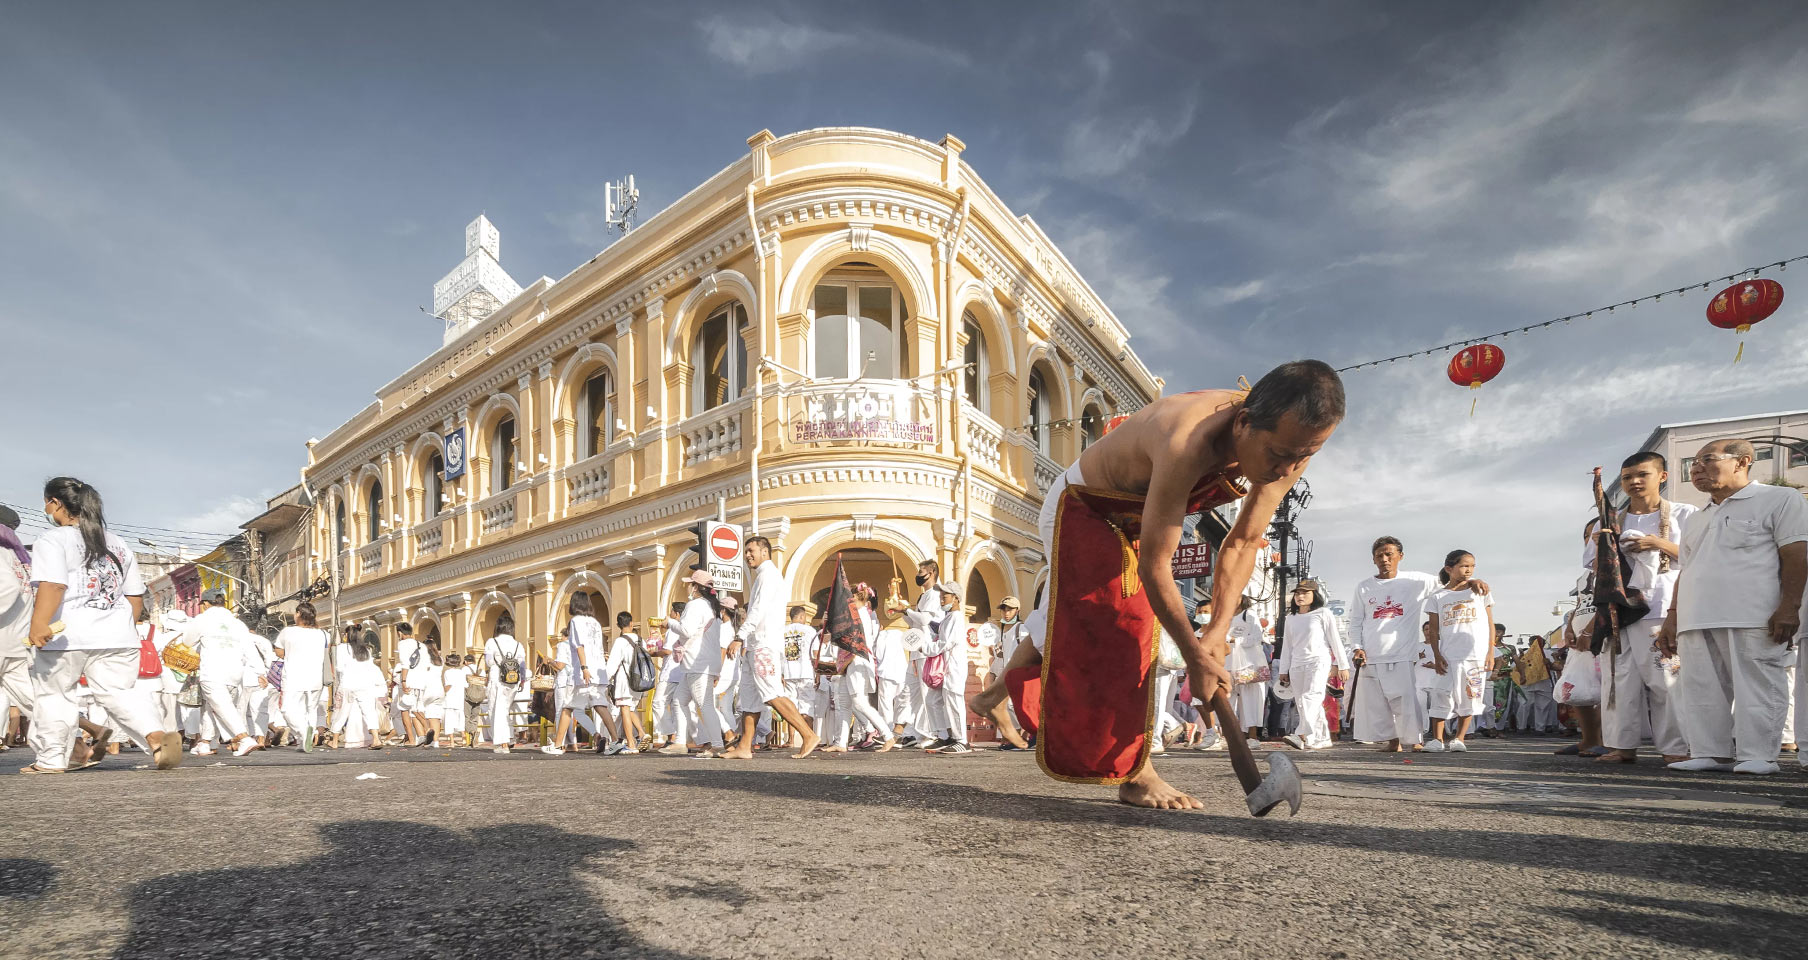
[(1010, 634), (698, 633), (947, 712), (927, 616)]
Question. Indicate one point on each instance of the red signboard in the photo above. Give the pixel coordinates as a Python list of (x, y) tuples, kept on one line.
[(724, 544), (1192, 560)]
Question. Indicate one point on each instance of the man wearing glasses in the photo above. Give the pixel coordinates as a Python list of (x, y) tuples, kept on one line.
[(1735, 613)]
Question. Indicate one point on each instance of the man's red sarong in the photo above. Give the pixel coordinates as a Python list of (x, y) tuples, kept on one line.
[(1096, 692)]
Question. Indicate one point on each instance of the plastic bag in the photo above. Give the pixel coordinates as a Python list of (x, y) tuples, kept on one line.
[(1580, 684)]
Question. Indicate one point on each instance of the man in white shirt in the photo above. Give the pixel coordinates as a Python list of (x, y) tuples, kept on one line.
[(1010, 634), (947, 704), (1385, 640), (762, 637), (926, 615), (223, 643), (412, 667), (799, 672), (1736, 609), (1640, 684), (668, 695)]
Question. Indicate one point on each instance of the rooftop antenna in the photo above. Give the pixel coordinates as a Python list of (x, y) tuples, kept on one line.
[(619, 202)]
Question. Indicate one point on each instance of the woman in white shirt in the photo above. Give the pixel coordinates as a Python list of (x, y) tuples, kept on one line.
[(1313, 647), (303, 650), (505, 659), (452, 701), (698, 632), (1249, 673), (1462, 650), (613, 679), (361, 684), (88, 582)]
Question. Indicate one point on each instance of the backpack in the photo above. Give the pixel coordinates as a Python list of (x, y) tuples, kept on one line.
[(641, 674), (414, 659), (509, 671)]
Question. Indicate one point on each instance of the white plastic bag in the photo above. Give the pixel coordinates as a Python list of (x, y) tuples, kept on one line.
[(1580, 684)]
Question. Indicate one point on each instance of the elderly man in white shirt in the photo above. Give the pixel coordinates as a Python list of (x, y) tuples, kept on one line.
[(762, 636), (1736, 609), (926, 616)]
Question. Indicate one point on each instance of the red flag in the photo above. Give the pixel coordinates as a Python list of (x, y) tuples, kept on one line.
[(844, 627)]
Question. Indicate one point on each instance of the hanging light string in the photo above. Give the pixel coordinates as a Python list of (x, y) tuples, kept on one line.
[(1584, 315)]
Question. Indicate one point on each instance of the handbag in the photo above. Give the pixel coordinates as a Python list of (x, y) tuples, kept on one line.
[(476, 690), (150, 663), (190, 694), (1167, 653), (935, 671)]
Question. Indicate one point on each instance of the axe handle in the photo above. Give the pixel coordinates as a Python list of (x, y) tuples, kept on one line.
[(1241, 759)]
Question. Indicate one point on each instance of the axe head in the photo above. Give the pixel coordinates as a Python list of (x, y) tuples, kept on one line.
[(1281, 785)]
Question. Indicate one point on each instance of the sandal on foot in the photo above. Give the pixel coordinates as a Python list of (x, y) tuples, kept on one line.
[(34, 768)]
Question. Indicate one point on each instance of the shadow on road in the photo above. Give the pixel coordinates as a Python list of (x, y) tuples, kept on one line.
[(22, 878), (1711, 927), (1703, 865), (393, 890)]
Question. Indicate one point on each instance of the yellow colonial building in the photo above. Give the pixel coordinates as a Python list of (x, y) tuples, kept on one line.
[(845, 340)]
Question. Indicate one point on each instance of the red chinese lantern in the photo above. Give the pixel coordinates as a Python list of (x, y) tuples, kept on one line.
[(1474, 366), (1112, 423), (1743, 304)]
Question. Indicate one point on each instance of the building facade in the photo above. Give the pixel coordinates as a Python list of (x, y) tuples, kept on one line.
[(1780, 441), (844, 341)]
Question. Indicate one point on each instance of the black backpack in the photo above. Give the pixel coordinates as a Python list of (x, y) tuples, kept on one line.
[(641, 674), (509, 670)]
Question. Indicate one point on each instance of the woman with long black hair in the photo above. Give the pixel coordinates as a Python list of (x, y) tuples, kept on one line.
[(82, 624)]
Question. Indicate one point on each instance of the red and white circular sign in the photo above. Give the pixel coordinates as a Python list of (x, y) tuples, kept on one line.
[(724, 544)]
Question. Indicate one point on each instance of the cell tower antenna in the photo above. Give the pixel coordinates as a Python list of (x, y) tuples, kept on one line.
[(620, 200)]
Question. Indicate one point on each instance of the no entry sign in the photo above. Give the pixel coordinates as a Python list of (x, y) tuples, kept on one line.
[(1192, 560), (722, 555)]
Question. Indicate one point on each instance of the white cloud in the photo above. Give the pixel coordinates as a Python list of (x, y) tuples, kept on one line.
[(762, 43), (224, 516)]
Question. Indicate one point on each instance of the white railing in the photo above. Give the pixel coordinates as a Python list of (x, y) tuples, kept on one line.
[(499, 514), (429, 535), (370, 557), (1046, 472), (984, 436), (712, 433), (589, 478)]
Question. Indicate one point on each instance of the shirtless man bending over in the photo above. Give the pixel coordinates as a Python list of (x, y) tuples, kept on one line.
[(1165, 455)]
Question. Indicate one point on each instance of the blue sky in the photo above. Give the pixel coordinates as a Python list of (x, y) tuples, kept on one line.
[(217, 221)]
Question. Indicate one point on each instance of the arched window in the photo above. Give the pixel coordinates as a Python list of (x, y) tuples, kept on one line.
[(373, 523), (721, 357), (502, 456), (1039, 412), (1092, 426), (978, 370), (435, 483), (853, 321), (339, 526), (594, 415)]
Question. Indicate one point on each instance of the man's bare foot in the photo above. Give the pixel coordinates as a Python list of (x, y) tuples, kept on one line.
[(740, 752), (1618, 756), (890, 744), (811, 742), (1147, 789), (1392, 746), (1675, 757), (834, 749)]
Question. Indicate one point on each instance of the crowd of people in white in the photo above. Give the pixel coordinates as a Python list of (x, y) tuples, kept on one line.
[(1709, 675)]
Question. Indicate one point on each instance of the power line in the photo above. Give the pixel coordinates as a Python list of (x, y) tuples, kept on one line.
[(1584, 315)]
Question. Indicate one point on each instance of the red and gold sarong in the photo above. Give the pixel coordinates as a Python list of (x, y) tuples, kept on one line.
[(1097, 687)]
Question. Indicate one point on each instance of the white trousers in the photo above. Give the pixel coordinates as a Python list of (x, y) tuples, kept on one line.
[(916, 703), (300, 708), (948, 706), (1165, 681), (666, 706), (260, 709), (891, 702), (700, 692), (849, 701), (1639, 692), (15, 686), (1735, 690), (112, 676), (1387, 704), (1801, 701), (1537, 708), (1459, 690), (502, 726), (1310, 723), (221, 711), (359, 717)]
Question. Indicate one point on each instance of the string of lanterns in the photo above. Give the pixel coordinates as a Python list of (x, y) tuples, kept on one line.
[(1749, 312)]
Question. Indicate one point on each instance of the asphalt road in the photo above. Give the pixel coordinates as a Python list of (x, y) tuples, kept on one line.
[(1506, 851)]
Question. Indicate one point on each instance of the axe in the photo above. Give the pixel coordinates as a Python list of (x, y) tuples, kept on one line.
[(1262, 793)]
